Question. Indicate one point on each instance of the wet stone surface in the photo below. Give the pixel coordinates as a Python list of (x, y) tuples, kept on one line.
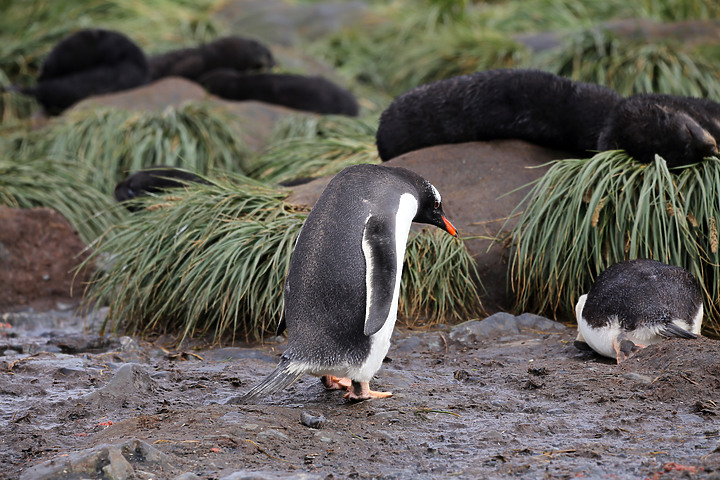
[(503, 397)]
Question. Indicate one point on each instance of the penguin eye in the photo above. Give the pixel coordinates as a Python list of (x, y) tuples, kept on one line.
[(437, 205)]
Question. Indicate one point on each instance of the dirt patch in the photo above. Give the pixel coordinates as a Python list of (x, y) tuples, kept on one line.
[(39, 252), (520, 402)]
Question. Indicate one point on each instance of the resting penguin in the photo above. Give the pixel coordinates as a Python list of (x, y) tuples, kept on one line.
[(152, 180), (342, 287), (637, 303)]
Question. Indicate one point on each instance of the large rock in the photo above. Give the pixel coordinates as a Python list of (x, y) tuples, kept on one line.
[(153, 97), (256, 119), (107, 462), (39, 251), (475, 180)]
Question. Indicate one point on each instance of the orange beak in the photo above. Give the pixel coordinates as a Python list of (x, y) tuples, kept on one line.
[(449, 227)]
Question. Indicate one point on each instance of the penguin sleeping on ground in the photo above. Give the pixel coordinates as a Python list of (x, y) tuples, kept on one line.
[(342, 287), (153, 179), (637, 303)]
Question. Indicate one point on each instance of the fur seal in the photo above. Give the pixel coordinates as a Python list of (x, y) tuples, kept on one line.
[(342, 287), (679, 129), (152, 179), (532, 105), (312, 94), (637, 303), (232, 52), (88, 62)]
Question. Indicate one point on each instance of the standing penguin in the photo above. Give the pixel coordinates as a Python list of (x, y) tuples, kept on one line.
[(637, 303), (342, 287)]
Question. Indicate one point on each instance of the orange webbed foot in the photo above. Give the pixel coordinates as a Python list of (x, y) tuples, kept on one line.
[(361, 391)]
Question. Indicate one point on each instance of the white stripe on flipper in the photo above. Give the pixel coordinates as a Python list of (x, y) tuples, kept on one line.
[(367, 251), (380, 341)]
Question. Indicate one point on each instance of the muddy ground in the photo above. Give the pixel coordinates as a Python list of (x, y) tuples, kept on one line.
[(510, 399)]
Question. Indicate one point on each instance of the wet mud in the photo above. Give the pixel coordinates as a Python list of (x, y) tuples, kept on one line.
[(498, 402)]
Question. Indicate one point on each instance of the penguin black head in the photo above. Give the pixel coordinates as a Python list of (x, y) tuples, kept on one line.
[(430, 209)]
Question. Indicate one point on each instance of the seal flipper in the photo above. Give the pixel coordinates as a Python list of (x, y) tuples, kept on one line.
[(671, 330), (378, 245)]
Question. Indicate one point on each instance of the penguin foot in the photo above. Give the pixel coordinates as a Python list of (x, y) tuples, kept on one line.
[(625, 348), (331, 382), (361, 391)]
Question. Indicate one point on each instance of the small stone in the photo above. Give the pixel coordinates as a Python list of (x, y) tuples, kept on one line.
[(312, 421)]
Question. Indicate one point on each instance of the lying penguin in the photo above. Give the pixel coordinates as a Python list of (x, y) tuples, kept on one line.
[(342, 287), (637, 303)]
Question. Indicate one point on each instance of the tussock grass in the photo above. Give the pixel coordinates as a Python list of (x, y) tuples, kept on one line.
[(585, 215), (600, 57), (211, 259), (439, 280), (431, 48), (56, 183), (316, 146), (676, 10), (195, 136)]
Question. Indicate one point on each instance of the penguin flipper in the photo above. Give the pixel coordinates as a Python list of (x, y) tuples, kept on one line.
[(671, 330), (283, 376), (378, 245)]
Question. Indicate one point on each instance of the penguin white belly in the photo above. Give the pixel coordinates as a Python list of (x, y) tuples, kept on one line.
[(380, 341), (600, 339)]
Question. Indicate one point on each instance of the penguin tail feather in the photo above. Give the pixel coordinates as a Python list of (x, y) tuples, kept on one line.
[(282, 377)]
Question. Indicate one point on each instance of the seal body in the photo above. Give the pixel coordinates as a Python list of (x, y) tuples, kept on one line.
[(342, 287), (231, 52), (307, 93), (532, 105), (88, 62), (682, 130), (152, 180), (637, 303)]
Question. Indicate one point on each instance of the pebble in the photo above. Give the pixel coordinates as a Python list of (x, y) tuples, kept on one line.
[(312, 421)]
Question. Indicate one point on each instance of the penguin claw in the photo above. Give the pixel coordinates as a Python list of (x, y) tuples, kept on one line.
[(331, 382)]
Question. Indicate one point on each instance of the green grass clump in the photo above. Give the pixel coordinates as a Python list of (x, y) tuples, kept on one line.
[(316, 146), (56, 183), (439, 280), (212, 259), (599, 56), (195, 136), (585, 215)]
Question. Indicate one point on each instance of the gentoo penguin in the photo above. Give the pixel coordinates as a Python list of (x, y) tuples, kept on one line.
[(531, 105), (342, 287), (307, 93), (152, 180), (88, 62), (637, 303), (676, 128)]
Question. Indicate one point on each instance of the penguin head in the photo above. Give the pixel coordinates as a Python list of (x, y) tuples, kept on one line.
[(430, 209)]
